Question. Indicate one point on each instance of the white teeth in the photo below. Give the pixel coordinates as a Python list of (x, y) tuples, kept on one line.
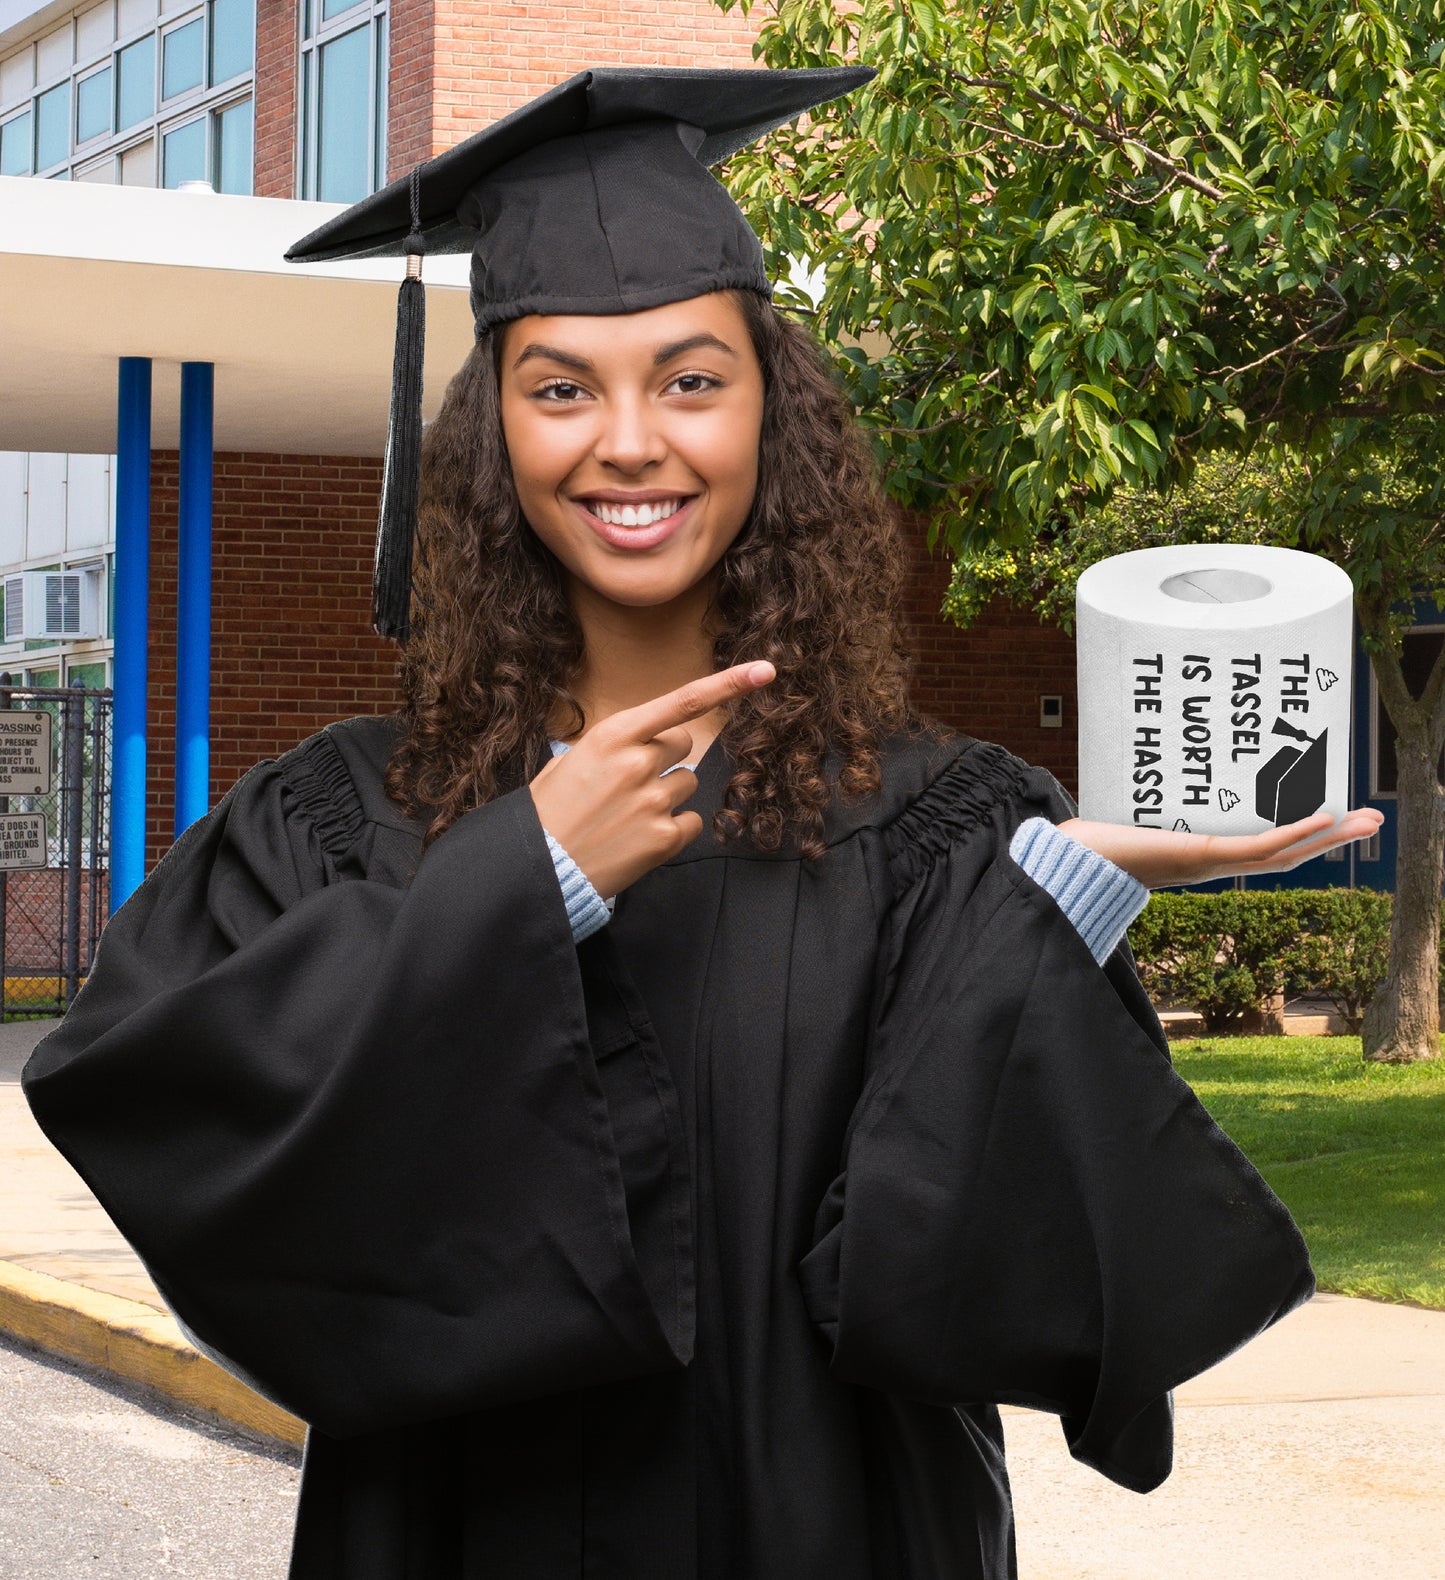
[(635, 515)]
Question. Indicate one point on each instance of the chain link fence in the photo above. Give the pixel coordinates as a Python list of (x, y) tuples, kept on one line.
[(55, 757)]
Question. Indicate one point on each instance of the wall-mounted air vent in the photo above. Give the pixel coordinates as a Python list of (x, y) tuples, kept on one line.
[(52, 605)]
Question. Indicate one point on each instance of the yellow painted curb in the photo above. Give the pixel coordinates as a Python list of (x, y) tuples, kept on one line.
[(133, 1341), (40, 988)]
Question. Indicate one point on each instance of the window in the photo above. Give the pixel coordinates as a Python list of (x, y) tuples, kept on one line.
[(138, 164), (90, 675), (137, 94), (234, 138), (343, 99), (15, 146), (182, 59), (233, 38), (92, 106), (145, 103), (101, 173), (183, 154), (52, 127), (1417, 657)]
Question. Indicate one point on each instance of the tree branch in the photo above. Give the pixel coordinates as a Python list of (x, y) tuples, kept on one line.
[(1312, 333), (1100, 130)]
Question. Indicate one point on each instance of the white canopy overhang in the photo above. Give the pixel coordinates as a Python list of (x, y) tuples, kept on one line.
[(302, 352)]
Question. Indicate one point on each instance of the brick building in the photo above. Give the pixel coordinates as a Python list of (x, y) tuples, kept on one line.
[(325, 100)]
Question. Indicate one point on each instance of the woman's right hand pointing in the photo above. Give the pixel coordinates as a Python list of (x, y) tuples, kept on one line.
[(606, 801)]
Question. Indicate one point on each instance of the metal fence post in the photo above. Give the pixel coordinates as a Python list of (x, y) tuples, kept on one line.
[(96, 910), (5, 682), (74, 716)]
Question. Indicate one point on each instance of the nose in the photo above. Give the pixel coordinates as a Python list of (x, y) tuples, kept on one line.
[(630, 437)]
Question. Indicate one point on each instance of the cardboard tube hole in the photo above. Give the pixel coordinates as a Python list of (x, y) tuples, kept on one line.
[(1215, 586)]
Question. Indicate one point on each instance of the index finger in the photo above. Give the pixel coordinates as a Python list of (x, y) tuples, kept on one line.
[(692, 700)]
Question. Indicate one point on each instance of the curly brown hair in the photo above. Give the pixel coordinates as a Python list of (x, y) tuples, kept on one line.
[(812, 582)]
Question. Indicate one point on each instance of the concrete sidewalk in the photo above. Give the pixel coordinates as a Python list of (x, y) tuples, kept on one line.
[(1304, 1456)]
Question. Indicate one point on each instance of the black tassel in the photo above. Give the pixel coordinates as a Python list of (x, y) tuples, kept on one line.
[(396, 529)]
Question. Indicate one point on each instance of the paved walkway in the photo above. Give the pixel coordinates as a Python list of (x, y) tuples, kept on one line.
[(1311, 1454), (49, 1221)]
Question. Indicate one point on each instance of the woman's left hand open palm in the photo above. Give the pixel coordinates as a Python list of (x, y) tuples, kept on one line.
[(1160, 858)]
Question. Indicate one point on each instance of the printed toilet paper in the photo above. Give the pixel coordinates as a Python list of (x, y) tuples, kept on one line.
[(1214, 687)]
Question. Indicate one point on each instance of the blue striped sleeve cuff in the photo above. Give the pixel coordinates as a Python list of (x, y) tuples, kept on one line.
[(1099, 898), (586, 909)]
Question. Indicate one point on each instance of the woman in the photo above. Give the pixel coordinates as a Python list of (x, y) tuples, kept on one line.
[(701, 1238)]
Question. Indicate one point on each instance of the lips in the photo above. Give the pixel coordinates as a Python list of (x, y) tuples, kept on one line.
[(637, 538)]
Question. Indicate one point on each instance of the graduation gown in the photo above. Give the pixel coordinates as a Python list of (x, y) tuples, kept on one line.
[(703, 1249)]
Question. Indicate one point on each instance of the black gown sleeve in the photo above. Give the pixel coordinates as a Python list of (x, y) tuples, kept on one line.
[(364, 1136), (1034, 1208)]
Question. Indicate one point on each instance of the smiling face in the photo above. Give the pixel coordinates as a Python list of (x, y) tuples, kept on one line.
[(634, 443)]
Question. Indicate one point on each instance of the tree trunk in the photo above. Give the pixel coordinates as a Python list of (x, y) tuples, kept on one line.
[(1402, 1021)]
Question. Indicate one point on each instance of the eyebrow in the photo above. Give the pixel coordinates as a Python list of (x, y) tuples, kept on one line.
[(662, 355)]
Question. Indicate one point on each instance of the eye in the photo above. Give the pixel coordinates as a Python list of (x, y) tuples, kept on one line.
[(542, 392), (706, 379)]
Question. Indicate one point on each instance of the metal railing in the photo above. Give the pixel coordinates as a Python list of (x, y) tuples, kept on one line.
[(54, 877)]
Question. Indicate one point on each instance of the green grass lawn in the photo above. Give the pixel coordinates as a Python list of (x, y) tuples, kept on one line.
[(1355, 1151)]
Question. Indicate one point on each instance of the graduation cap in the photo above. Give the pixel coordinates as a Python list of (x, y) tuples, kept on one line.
[(594, 198), (1292, 783)]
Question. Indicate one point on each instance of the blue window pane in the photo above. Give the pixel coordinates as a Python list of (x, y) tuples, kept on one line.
[(92, 106), (15, 146), (233, 38), (137, 83), (52, 126), (331, 8), (233, 143), (343, 154), (182, 61), (183, 154)]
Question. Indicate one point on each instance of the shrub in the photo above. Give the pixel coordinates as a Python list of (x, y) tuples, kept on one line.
[(1225, 955), (1343, 950)]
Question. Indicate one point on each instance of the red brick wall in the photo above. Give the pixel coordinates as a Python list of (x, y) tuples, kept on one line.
[(34, 908), (409, 86), (492, 58), (291, 639), (987, 680), (277, 46)]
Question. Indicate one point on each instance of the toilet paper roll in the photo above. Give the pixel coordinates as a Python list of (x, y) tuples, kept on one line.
[(1214, 687)]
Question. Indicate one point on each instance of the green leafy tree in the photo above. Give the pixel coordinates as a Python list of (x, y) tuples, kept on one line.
[(1103, 242)]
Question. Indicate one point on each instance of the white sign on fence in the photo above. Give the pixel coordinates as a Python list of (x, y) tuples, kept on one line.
[(24, 753), (22, 840)]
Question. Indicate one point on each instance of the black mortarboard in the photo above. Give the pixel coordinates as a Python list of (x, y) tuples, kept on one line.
[(1293, 783), (593, 198)]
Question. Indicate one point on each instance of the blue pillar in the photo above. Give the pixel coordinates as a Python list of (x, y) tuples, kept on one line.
[(193, 597), (132, 593)]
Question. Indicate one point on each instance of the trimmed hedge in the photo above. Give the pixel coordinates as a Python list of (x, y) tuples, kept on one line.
[(1228, 955)]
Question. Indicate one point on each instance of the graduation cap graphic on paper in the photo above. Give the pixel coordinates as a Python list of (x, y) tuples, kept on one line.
[(1291, 784)]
